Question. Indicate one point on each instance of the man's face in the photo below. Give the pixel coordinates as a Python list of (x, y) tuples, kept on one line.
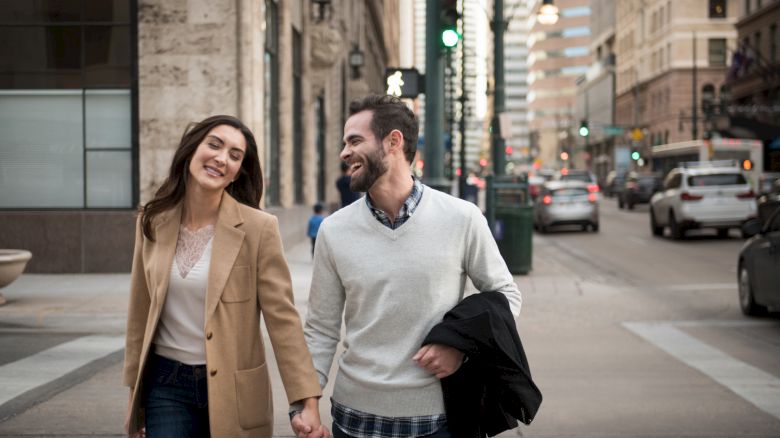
[(363, 152)]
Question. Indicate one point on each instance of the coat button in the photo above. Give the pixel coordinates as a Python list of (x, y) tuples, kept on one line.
[(213, 372), (208, 335)]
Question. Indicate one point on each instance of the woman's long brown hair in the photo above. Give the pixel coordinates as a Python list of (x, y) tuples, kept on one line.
[(246, 189)]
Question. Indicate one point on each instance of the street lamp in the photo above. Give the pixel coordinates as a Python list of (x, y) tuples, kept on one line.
[(323, 8), (548, 13), (356, 61)]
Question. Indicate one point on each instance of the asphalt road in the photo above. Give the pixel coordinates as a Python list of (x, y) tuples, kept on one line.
[(627, 336)]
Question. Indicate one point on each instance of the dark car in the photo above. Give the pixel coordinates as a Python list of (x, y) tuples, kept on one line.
[(614, 183), (758, 272), (638, 189)]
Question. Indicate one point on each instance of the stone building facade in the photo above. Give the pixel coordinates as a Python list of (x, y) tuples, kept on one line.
[(657, 86), (283, 67)]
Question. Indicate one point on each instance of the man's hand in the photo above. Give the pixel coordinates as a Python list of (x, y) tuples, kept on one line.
[(307, 424), (440, 360)]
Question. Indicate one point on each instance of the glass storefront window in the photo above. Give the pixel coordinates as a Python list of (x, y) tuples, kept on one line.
[(66, 104)]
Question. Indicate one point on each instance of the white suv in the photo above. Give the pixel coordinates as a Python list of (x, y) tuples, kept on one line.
[(702, 195)]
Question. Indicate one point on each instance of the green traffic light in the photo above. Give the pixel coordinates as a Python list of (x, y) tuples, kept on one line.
[(450, 38), (584, 131), (635, 155)]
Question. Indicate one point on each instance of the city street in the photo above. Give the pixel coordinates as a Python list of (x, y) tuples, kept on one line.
[(627, 335)]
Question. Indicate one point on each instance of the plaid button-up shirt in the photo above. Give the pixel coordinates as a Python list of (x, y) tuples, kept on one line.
[(364, 425), (406, 211)]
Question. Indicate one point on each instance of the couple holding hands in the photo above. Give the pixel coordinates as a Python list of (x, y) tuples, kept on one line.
[(208, 263)]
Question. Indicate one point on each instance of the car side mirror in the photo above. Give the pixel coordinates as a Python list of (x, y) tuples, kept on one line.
[(751, 227)]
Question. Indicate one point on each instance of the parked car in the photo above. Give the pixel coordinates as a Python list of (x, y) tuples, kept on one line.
[(638, 189), (614, 183), (758, 269), (566, 203), (702, 195)]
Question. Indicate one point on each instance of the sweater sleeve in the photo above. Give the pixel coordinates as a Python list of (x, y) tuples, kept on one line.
[(326, 307), (485, 266)]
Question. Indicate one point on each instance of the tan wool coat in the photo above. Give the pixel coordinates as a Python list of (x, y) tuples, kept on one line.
[(248, 276)]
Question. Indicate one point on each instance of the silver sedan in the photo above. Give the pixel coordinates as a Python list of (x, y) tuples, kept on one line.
[(566, 203)]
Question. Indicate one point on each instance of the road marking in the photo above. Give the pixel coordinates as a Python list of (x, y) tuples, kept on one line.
[(752, 384), (26, 374), (695, 287)]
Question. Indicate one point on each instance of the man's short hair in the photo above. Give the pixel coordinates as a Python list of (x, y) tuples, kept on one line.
[(390, 113)]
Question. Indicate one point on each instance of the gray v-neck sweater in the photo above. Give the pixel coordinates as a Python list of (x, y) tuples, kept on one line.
[(392, 287)]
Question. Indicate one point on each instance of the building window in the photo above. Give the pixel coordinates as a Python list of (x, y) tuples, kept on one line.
[(747, 7), (717, 52), (773, 43), (271, 99), (68, 105), (757, 44), (297, 115), (717, 8)]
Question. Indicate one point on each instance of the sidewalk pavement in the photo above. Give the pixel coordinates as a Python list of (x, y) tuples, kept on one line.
[(88, 399)]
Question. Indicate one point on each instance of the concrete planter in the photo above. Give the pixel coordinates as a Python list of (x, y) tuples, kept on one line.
[(12, 263)]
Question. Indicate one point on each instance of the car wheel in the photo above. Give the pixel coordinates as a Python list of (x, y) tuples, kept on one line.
[(678, 232), (584, 227), (723, 233), (657, 231), (595, 227), (747, 302), (620, 203)]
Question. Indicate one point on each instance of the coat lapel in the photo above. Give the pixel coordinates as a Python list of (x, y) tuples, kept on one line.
[(224, 250), (166, 234)]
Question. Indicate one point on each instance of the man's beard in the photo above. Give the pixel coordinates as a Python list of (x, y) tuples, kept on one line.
[(373, 167)]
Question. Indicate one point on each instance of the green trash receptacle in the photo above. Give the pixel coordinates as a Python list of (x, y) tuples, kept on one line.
[(513, 222)]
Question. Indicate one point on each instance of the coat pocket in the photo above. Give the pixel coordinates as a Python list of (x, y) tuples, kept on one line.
[(253, 394), (239, 287)]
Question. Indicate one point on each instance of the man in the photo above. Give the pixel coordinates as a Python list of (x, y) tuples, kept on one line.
[(342, 184), (392, 266)]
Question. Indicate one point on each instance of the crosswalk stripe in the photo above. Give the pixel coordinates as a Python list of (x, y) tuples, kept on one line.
[(26, 374), (752, 384)]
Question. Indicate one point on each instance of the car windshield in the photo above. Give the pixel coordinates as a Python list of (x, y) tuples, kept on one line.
[(569, 193), (716, 179), (584, 177)]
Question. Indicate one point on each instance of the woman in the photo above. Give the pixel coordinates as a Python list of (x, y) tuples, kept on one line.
[(207, 262)]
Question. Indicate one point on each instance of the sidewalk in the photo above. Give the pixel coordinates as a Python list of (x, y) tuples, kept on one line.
[(90, 401)]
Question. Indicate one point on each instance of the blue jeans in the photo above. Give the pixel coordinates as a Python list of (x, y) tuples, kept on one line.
[(441, 433), (175, 399)]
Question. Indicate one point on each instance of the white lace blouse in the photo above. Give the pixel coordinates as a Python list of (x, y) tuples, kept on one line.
[(180, 333)]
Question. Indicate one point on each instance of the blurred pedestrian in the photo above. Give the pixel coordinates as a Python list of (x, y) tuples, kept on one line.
[(207, 263), (346, 193), (391, 266), (314, 224)]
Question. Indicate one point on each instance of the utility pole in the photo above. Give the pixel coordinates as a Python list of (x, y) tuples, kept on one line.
[(462, 151), (499, 95), (434, 100), (694, 115)]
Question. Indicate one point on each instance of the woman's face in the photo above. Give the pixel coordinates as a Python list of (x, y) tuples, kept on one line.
[(217, 160)]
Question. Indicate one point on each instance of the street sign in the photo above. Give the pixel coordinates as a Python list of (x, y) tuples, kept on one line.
[(636, 134), (613, 131), (404, 82)]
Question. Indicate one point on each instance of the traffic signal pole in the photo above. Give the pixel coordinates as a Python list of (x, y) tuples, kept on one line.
[(434, 100)]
